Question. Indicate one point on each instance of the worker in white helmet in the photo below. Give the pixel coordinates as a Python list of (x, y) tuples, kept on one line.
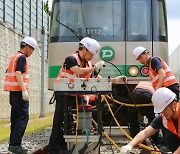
[(165, 102), (159, 72), (17, 83), (75, 65)]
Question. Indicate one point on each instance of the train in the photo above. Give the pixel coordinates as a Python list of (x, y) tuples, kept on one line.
[(119, 26)]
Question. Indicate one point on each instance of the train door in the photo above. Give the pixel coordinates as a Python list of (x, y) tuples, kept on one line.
[(138, 33)]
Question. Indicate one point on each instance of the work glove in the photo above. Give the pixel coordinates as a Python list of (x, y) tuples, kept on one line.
[(99, 64), (90, 98), (86, 97), (125, 149), (120, 79), (25, 95)]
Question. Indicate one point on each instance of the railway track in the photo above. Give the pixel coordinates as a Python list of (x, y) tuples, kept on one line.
[(41, 150), (106, 147), (40, 141)]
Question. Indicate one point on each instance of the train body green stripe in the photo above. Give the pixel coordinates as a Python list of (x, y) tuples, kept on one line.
[(53, 71), (109, 70)]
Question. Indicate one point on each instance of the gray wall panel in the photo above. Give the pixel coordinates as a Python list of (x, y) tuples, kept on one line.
[(25, 22), (1, 10), (39, 14), (26, 18), (1, 15), (33, 14), (9, 13), (18, 15)]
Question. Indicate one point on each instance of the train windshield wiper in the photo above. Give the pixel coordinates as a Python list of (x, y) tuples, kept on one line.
[(72, 30)]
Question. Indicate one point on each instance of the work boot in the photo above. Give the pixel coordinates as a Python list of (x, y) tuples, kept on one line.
[(17, 149)]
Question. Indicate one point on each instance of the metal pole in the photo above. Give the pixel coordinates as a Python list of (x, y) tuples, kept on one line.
[(42, 72)]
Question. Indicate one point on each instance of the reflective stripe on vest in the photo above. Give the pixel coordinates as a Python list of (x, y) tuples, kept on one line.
[(154, 76), (63, 73), (11, 83), (145, 85), (14, 74), (67, 75), (170, 125), (80, 64)]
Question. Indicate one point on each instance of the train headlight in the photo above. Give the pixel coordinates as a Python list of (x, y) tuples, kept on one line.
[(133, 70), (145, 71)]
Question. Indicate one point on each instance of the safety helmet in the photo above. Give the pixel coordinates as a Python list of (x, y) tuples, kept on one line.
[(137, 51), (30, 41), (84, 40), (92, 45), (162, 98)]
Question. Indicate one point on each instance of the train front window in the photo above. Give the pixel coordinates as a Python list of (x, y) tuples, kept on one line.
[(101, 20), (138, 19), (160, 20)]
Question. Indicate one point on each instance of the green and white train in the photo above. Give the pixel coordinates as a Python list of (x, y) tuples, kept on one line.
[(118, 25)]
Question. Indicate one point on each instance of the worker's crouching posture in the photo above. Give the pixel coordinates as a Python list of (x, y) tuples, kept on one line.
[(165, 102), (142, 94)]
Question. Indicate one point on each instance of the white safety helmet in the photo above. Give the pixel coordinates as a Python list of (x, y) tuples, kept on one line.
[(92, 45), (84, 40), (30, 41), (137, 51), (162, 98)]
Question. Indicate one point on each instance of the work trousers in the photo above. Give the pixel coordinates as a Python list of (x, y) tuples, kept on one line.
[(140, 96), (19, 117), (57, 142)]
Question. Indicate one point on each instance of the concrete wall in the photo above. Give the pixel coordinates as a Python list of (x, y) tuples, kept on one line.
[(9, 44)]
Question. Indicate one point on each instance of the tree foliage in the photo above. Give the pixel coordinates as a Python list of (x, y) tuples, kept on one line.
[(46, 8)]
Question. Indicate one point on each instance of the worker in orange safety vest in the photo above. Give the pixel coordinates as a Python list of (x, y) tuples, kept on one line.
[(76, 65), (17, 84), (159, 72), (165, 102), (142, 95)]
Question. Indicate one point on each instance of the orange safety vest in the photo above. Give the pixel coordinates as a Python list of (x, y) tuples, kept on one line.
[(170, 125), (63, 73), (145, 85), (11, 83), (154, 76)]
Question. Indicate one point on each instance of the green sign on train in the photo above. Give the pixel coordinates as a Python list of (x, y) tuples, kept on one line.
[(107, 53)]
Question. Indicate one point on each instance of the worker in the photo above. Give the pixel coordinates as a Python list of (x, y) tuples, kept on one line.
[(17, 83), (159, 72), (165, 102), (76, 65), (141, 95)]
